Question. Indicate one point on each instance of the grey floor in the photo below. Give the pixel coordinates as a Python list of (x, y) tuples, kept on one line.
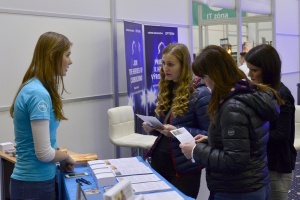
[(295, 189), (203, 192)]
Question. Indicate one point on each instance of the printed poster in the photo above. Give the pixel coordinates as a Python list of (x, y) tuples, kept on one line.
[(156, 39), (135, 70)]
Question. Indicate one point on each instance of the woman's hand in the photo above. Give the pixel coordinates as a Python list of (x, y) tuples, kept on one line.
[(200, 138), (67, 165), (187, 148), (147, 127), (166, 130)]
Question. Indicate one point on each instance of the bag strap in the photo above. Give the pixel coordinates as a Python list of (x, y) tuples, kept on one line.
[(167, 116), (196, 80)]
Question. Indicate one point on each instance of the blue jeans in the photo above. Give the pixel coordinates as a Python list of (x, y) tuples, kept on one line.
[(261, 194), (43, 190), (280, 185)]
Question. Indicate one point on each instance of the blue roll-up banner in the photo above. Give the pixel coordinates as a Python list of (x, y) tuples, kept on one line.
[(135, 70), (156, 39)]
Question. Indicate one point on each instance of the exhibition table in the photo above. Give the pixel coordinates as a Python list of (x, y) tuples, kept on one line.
[(7, 165), (69, 185)]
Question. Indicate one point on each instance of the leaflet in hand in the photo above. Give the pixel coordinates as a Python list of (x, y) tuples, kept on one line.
[(153, 121), (183, 135)]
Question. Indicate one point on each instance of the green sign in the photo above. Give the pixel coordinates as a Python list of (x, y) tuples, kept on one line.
[(211, 13), (195, 14)]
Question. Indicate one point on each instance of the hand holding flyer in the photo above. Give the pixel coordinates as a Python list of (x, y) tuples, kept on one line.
[(183, 136), (153, 121)]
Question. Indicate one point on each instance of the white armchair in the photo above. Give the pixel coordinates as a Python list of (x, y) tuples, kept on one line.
[(121, 129), (297, 128)]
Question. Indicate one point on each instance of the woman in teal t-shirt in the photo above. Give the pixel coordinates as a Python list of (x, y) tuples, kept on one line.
[(36, 112)]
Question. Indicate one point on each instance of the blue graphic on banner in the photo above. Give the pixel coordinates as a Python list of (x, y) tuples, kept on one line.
[(135, 70), (156, 39)]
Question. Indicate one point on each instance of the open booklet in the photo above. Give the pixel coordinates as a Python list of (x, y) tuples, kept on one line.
[(152, 121)]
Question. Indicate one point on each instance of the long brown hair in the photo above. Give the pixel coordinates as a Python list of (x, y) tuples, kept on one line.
[(46, 65), (180, 90), (222, 69)]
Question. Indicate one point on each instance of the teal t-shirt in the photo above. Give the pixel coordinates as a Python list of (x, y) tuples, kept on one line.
[(32, 103)]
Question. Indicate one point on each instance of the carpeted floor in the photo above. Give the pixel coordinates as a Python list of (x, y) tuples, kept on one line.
[(295, 189)]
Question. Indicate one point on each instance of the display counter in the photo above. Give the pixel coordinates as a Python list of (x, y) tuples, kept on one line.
[(69, 185), (7, 163)]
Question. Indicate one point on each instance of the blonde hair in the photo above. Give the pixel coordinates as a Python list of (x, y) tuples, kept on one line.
[(46, 65), (169, 90)]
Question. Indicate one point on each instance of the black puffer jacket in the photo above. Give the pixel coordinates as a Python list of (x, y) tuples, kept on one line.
[(195, 120), (236, 157)]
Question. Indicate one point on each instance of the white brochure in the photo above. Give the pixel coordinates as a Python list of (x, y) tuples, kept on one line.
[(140, 178), (150, 187), (153, 121), (183, 135), (163, 195)]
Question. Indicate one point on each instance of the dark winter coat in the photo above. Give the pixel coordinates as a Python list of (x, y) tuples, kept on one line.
[(235, 156)]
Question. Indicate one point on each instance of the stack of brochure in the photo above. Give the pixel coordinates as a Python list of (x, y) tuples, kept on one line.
[(101, 173)]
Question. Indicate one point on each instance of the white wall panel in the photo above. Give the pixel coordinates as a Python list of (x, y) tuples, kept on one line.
[(288, 50), (291, 80), (287, 41), (228, 4), (68, 7), (166, 11), (287, 17), (90, 52), (256, 6), (182, 36), (121, 58), (83, 133), (6, 128)]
